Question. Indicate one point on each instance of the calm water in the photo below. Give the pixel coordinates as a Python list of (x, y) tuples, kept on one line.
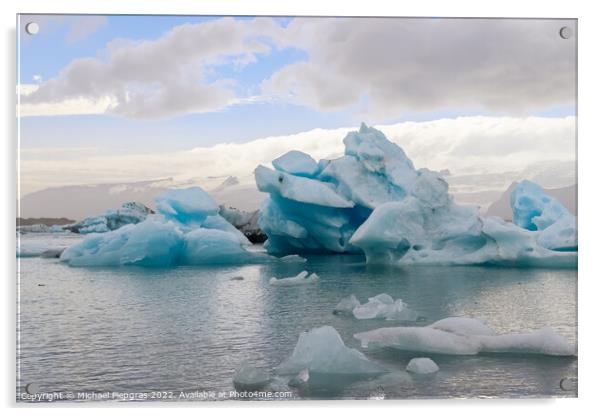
[(187, 329)]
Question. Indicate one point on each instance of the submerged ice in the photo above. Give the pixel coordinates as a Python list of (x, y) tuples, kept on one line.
[(373, 200), (465, 336), (186, 230)]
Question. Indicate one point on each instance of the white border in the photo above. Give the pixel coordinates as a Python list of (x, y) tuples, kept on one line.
[(590, 22)]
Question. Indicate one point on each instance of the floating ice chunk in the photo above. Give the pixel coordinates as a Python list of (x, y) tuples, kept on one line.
[(383, 306), (187, 231), (460, 336), (188, 206), (296, 163), (322, 351), (302, 278), (420, 339), (248, 377), (347, 305), (299, 188), (532, 209), (422, 365), (463, 326)]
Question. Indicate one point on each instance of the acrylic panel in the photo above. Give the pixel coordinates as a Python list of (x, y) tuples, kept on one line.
[(281, 208)]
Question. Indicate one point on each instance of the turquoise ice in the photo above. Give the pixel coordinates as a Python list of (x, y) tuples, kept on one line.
[(373, 200)]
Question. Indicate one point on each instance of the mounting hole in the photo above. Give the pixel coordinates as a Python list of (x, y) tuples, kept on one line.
[(566, 32), (32, 28)]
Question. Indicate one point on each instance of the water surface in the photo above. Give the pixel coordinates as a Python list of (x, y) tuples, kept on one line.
[(187, 329)]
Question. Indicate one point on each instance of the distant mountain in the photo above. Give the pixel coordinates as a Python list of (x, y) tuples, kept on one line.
[(45, 221), (81, 201), (566, 195)]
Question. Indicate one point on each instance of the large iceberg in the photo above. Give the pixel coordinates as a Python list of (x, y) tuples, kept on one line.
[(373, 200), (187, 230), (465, 336)]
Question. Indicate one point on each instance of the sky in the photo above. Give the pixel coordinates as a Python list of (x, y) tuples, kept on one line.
[(100, 94)]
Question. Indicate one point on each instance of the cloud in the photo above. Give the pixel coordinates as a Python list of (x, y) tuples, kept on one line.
[(505, 65), (383, 66), (470, 147), (162, 77)]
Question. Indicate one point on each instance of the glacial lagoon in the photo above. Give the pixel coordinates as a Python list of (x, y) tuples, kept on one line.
[(189, 328)]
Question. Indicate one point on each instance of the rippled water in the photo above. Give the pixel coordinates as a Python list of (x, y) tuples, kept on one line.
[(187, 329)]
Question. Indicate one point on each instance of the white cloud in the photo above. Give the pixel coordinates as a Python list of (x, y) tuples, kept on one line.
[(70, 106), (396, 65), (162, 77), (468, 146), (384, 66)]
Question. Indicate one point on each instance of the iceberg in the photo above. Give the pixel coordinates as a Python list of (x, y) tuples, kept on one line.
[(384, 307), (346, 305), (465, 336), (186, 231), (322, 351), (422, 365), (318, 210), (302, 278), (373, 200), (129, 213), (534, 210), (248, 377)]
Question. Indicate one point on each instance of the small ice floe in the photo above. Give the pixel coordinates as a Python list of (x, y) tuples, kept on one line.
[(465, 336), (384, 307), (422, 365), (299, 379), (249, 377), (38, 249), (301, 279), (293, 258), (322, 351), (346, 306)]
